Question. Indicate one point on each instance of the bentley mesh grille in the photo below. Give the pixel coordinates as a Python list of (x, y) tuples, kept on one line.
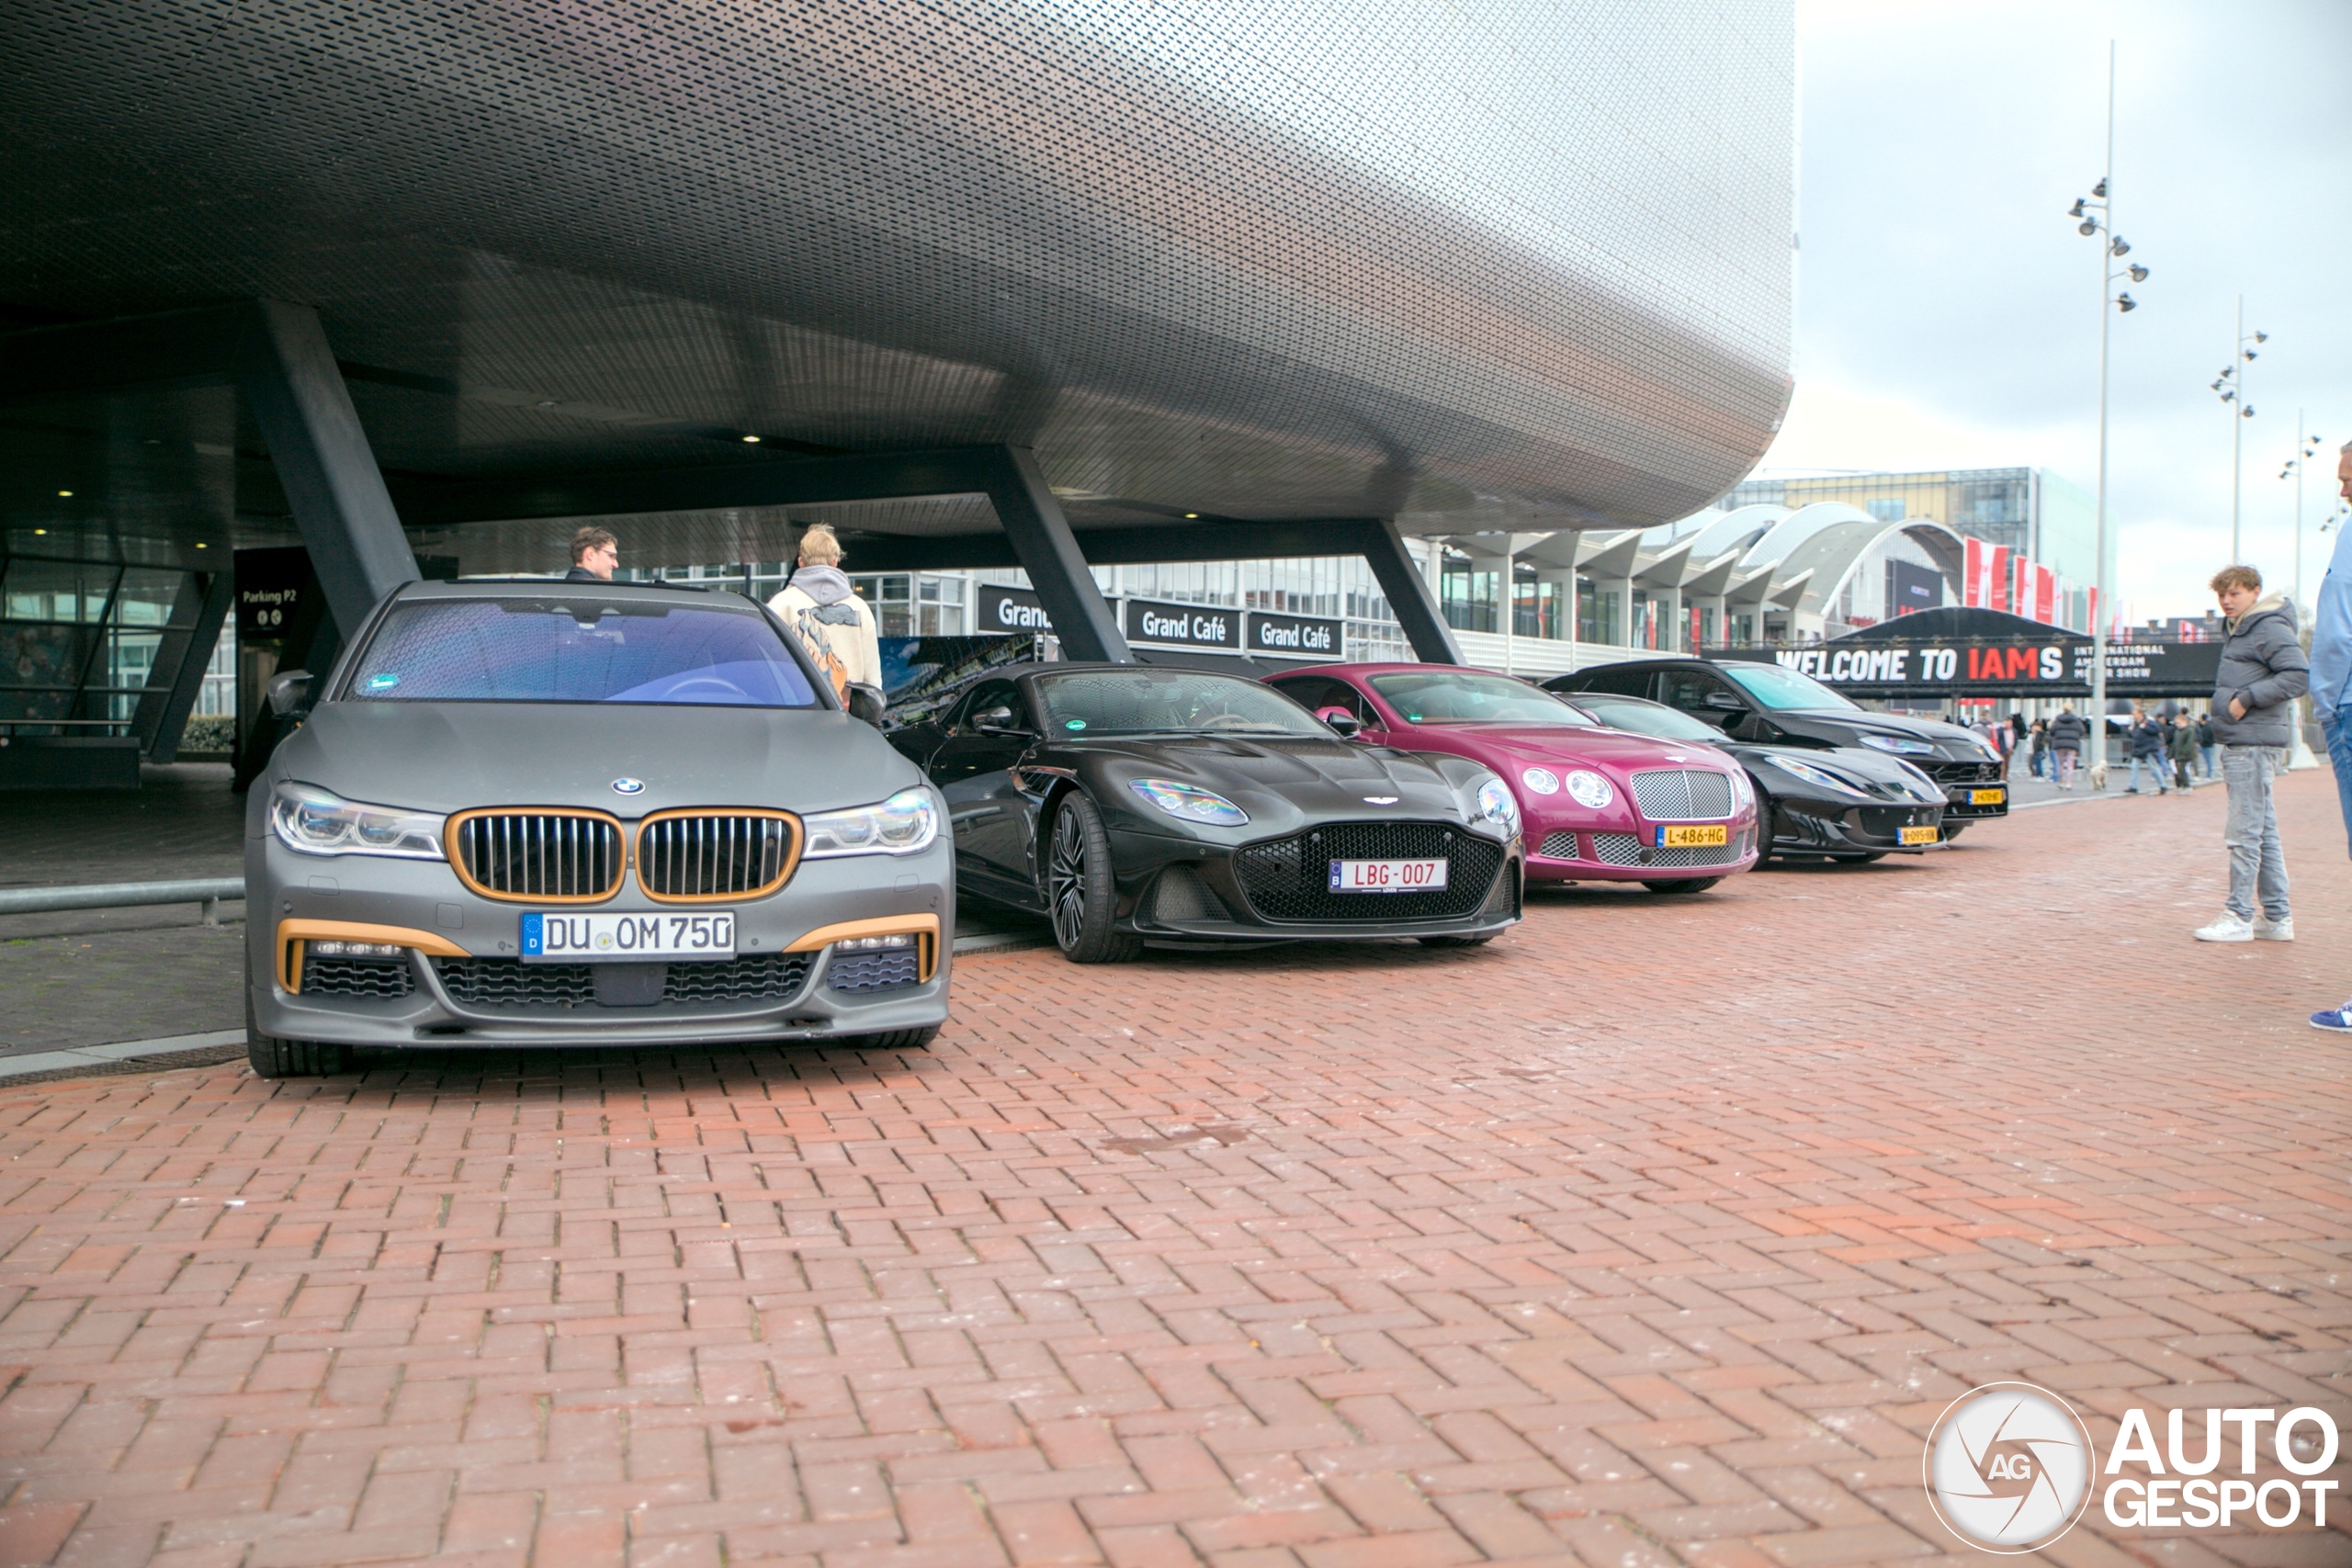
[(1290, 879), (1625, 849), (715, 854), (356, 977), (1560, 846), (886, 970), (539, 856), (1676, 793), (511, 983)]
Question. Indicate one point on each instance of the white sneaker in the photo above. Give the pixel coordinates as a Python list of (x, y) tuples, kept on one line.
[(2229, 928), (2268, 930)]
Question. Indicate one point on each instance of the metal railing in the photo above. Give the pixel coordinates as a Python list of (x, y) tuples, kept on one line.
[(205, 892)]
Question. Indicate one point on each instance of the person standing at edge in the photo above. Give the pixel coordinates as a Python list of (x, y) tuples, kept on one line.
[(2066, 734), (2332, 684), (2148, 748), (596, 555), (819, 603), (2263, 672), (2181, 738)]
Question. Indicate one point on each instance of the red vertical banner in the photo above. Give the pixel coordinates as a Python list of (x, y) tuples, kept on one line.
[(2045, 594), (2021, 586), (1971, 574), (2000, 597), (1698, 629)]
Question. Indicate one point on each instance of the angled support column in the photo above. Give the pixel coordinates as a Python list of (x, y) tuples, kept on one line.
[(289, 380), (1040, 535), (185, 652), (1409, 597)]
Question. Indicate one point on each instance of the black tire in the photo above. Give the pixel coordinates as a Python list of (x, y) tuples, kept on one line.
[(1082, 894), (1952, 830), (1687, 885), (1456, 941), (271, 1057), (897, 1040), (1865, 860)]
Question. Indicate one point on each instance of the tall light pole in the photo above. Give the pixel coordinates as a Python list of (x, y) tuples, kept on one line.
[(2097, 212), (2229, 387), (2300, 755)]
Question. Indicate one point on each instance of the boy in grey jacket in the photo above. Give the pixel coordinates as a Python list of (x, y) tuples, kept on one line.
[(2263, 672)]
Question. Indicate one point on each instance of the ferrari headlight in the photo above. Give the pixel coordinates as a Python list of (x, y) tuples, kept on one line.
[(906, 822), (1820, 778), (1497, 806), (1921, 787), (1189, 802), (319, 822), (1589, 790), (1899, 745)]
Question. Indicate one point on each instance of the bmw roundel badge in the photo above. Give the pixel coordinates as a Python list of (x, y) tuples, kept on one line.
[(628, 787)]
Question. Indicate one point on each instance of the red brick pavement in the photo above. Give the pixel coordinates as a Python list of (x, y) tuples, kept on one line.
[(1659, 1231)]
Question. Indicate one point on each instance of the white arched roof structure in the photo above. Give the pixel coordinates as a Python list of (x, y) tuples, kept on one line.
[(1834, 551)]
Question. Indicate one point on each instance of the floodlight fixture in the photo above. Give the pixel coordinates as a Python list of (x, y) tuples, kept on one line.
[(2099, 190), (2260, 337), (2075, 210), (2139, 273), (2125, 302), (2122, 247), (2087, 228)]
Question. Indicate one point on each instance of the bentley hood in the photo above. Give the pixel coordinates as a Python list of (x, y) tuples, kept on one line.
[(451, 756)]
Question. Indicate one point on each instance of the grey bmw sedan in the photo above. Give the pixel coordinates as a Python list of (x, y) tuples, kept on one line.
[(528, 813)]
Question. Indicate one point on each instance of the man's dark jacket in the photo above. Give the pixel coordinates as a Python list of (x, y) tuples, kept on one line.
[(2264, 667)]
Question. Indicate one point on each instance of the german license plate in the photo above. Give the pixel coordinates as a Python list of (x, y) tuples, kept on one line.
[(1918, 835), (1387, 875), (573, 939), (1693, 838), (1987, 796)]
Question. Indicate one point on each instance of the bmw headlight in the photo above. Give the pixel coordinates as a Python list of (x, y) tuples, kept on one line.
[(1189, 802), (906, 822), (1542, 780), (1900, 746), (1589, 790), (1496, 804), (1820, 778), (319, 822)]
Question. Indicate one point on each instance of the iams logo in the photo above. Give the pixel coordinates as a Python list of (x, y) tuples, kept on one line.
[(2010, 1467)]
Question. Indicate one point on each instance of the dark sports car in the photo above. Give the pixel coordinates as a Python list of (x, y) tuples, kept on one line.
[(1773, 704), (1130, 803), (1816, 802)]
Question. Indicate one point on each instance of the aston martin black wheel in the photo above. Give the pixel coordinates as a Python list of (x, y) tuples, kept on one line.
[(1687, 885), (271, 1057), (1082, 896)]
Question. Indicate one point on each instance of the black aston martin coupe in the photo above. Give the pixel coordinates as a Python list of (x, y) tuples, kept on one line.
[(1131, 803)]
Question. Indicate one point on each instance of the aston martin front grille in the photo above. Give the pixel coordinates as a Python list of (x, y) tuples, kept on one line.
[(1627, 849), (361, 978), (1671, 794), (692, 855), (508, 983), (562, 857), (1290, 879)]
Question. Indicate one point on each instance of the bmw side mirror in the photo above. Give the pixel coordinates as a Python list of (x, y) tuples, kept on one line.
[(866, 703), (996, 721), (1344, 725), (289, 693)]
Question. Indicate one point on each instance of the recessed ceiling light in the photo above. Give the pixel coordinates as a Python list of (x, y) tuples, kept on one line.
[(1192, 515), (199, 544), (65, 492), (753, 439), (40, 530)]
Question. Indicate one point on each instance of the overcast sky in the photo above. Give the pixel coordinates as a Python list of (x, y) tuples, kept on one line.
[(1946, 307)]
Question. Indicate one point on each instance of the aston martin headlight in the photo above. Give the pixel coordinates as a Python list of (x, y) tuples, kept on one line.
[(1589, 790), (319, 822), (1820, 778), (1542, 780), (1189, 802), (1900, 746), (906, 822), (1497, 806)]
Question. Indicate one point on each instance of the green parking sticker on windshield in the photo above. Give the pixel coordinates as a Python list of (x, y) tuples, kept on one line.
[(1073, 723), (382, 682)]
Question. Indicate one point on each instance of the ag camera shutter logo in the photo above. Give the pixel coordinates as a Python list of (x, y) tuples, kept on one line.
[(2008, 1467)]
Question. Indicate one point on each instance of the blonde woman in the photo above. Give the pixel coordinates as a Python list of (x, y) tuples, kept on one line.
[(836, 623)]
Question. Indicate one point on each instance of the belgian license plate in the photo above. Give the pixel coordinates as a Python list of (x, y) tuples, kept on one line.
[(1987, 796), (1387, 875), (557, 938), (1693, 838), (1918, 835)]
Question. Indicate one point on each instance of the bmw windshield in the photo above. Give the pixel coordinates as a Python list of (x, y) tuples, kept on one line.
[(580, 648), (1777, 686), (1144, 701)]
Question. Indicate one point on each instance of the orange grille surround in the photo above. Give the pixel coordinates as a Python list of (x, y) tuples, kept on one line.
[(707, 854), (550, 854)]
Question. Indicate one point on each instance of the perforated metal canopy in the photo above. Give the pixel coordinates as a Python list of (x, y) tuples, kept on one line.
[(1285, 259)]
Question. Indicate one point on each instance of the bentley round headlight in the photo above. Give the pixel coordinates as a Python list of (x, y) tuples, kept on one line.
[(1589, 790), (1542, 780), (1496, 804)]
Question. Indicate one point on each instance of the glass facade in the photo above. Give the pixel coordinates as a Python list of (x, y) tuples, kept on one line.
[(2033, 511), (77, 638)]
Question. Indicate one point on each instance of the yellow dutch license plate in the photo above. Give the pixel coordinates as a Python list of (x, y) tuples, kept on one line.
[(1918, 835), (1987, 796), (1693, 838)]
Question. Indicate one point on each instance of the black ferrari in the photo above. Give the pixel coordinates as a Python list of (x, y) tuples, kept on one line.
[(1132, 802)]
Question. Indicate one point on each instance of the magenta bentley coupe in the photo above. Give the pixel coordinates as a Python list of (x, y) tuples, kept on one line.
[(1599, 805)]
